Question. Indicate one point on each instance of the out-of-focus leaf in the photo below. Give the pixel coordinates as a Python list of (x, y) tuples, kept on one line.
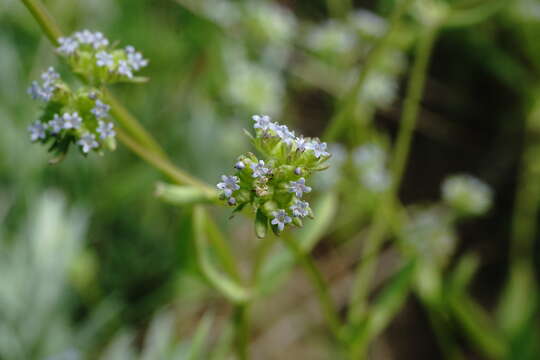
[(200, 338), (160, 337), (307, 237)]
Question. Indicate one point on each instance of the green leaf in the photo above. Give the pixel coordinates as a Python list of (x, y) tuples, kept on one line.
[(261, 224), (226, 286), (200, 338)]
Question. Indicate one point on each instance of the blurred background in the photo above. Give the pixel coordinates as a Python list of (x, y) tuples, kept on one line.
[(93, 266)]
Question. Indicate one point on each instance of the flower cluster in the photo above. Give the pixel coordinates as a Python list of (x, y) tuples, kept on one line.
[(274, 186), (92, 55), (467, 195), (370, 159), (69, 117)]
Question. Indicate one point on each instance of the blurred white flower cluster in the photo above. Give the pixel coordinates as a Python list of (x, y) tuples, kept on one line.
[(467, 194)]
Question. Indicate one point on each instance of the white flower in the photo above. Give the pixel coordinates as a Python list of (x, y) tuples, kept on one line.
[(99, 41), (300, 208), (136, 60), (259, 169), (72, 121), (101, 110), (302, 144), (262, 122), (88, 142), (84, 37), (319, 148), (67, 46), (104, 59), (105, 129), (56, 124), (125, 69), (229, 184), (299, 187), (280, 219), (467, 194), (37, 131)]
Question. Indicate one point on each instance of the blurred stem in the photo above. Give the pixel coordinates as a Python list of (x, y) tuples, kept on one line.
[(346, 106), (384, 214), (149, 149), (322, 290), (241, 328), (263, 248)]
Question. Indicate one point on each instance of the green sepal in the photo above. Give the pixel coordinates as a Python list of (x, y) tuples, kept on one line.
[(261, 224)]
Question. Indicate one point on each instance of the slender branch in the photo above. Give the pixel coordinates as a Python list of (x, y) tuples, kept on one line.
[(339, 120), (322, 291), (365, 269)]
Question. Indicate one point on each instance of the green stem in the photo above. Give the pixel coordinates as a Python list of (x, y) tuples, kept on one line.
[(365, 269), (322, 291), (241, 328), (128, 121), (340, 119)]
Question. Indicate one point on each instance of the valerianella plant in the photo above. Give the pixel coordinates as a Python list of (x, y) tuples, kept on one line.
[(275, 184), (81, 116)]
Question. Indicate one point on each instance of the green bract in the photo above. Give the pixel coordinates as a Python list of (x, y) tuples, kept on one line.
[(274, 183)]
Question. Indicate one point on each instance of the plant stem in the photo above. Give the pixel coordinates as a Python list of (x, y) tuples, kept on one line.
[(162, 164), (322, 291), (365, 269), (241, 327), (53, 32), (346, 105)]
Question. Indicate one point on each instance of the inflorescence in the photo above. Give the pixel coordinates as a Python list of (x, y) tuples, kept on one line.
[(275, 185), (81, 116)]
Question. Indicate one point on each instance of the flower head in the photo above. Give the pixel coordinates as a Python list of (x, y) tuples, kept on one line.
[(281, 219), (299, 187), (229, 184)]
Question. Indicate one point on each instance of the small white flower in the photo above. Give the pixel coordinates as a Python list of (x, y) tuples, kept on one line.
[(105, 129), (259, 169), (37, 131), (239, 165), (299, 187), (67, 46), (130, 49), (72, 121), (56, 124), (88, 142), (262, 122), (229, 184), (49, 76), (36, 92), (300, 208), (302, 144), (136, 60), (100, 110), (104, 59), (319, 148), (280, 219), (125, 69), (467, 194), (84, 37), (99, 41)]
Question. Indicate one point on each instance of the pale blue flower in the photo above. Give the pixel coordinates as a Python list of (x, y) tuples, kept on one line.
[(259, 169), (299, 187), (104, 59), (300, 208), (229, 184), (72, 121), (125, 69), (285, 134), (99, 40), (49, 76), (105, 129), (135, 59), (84, 37), (68, 45), (281, 219), (239, 165), (262, 122), (56, 124), (319, 148), (100, 110), (37, 131), (302, 144), (88, 142)]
